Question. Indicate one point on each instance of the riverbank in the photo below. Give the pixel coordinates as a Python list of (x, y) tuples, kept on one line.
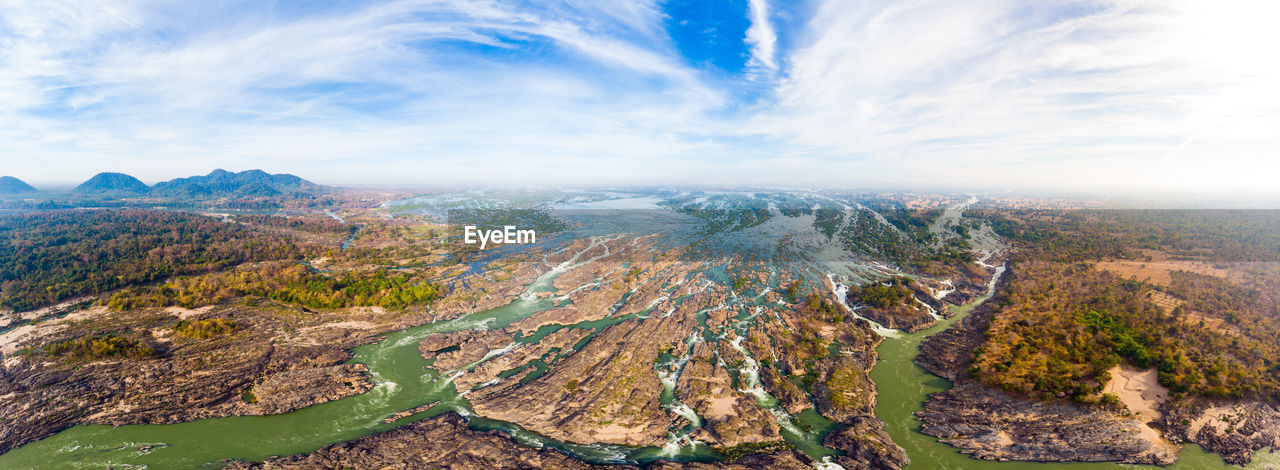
[(946, 425)]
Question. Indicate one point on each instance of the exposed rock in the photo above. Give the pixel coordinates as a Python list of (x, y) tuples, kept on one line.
[(547, 350), (789, 460), (606, 392), (866, 445), (992, 425), (186, 380), (440, 442), (899, 318), (458, 349), (1234, 430), (731, 417), (446, 442), (989, 424), (399, 415)]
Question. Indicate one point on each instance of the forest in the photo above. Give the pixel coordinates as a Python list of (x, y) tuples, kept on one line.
[(285, 282), (1061, 322), (52, 256)]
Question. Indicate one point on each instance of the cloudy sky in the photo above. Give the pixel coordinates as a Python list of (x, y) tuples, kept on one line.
[(998, 94)]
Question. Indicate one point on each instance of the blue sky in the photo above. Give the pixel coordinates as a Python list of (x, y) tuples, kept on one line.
[(825, 93)]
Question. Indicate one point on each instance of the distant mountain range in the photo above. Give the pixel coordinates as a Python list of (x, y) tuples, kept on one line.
[(219, 183), (11, 185), (225, 183)]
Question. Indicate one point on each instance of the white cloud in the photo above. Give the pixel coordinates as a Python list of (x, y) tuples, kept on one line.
[(995, 93), (353, 93), (1007, 93), (761, 37)]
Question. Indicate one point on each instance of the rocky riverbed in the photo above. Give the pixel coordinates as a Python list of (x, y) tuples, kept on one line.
[(446, 441), (279, 359)]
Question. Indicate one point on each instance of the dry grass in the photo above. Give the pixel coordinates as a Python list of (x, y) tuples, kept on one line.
[(1157, 266), (1165, 301)]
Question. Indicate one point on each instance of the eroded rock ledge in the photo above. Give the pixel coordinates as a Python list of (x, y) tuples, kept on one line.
[(989, 424), (1233, 429), (445, 441)]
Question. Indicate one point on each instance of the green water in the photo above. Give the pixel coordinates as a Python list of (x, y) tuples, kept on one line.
[(903, 387), (402, 380)]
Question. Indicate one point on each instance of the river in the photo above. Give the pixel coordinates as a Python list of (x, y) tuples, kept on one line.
[(403, 381), (903, 386)]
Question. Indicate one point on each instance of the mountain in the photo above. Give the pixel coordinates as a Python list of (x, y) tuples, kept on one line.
[(11, 185), (223, 183), (108, 182)]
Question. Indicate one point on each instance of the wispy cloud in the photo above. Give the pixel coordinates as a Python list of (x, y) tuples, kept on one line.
[(761, 37), (1063, 94), (997, 93)]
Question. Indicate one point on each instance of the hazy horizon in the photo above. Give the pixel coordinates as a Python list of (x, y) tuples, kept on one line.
[(1171, 199), (1123, 97)]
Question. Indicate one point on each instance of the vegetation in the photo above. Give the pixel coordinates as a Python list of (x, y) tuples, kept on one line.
[(914, 223), (572, 386), (202, 329), (824, 309), (307, 224), (48, 257), (749, 448), (292, 284), (792, 292), (248, 396), (1062, 323), (90, 348), (1083, 235), (743, 214), (849, 387), (883, 296)]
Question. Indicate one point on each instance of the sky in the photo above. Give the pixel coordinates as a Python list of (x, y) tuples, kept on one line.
[(1063, 95)]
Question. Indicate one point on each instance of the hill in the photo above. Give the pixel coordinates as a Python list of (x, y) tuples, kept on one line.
[(222, 183), (11, 185), (108, 182)]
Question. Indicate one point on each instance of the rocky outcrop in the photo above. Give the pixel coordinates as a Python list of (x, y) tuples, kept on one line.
[(446, 442), (605, 392), (989, 424), (1234, 430), (187, 379), (902, 318), (866, 445), (901, 304), (730, 416), (440, 442)]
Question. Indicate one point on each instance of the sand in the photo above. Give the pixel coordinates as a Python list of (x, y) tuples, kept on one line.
[(352, 325), (13, 340), (187, 313), (10, 340), (374, 310), (1141, 392), (720, 406), (1214, 417)]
